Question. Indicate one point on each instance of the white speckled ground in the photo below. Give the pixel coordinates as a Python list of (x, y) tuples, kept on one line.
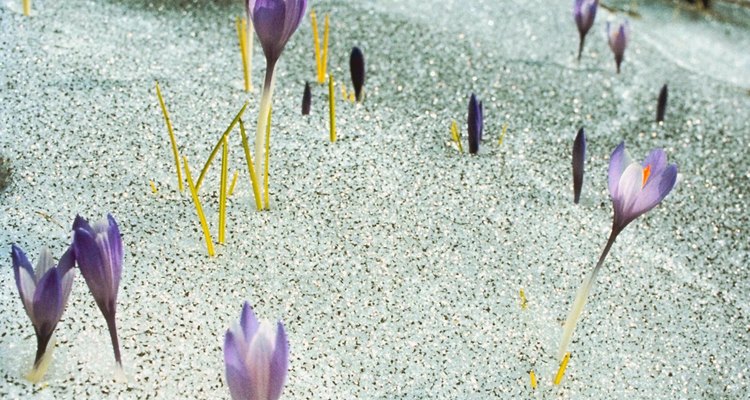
[(394, 261)]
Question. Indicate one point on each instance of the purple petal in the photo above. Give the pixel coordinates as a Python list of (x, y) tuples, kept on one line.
[(579, 159), (48, 303), (618, 161), (656, 189), (115, 252), (657, 159), (44, 263), (248, 322), (279, 364), (357, 71), (238, 380), (92, 266), (81, 223), (268, 19), (25, 279), (306, 99), (259, 358)]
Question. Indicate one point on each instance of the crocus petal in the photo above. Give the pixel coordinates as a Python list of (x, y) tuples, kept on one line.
[(81, 223), (259, 358), (656, 160), (24, 276), (91, 264), (279, 364), (618, 161), (661, 103), (248, 322), (238, 380), (630, 186), (44, 264), (48, 303), (268, 19), (656, 189), (115, 251)]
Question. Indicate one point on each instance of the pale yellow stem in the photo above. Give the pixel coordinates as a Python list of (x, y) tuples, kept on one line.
[(171, 137), (316, 44), (40, 369), (27, 7), (324, 55), (199, 209), (561, 370), (242, 37), (249, 52), (250, 167), (260, 133), (218, 146), (223, 190), (532, 377), (456, 136), (234, 182)]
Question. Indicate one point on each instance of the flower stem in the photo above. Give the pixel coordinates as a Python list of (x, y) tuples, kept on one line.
[(112, 326), (265, 109), (42, 363), (582, 295), (580, 45)]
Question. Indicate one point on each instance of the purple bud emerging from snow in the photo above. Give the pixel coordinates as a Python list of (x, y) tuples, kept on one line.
[(43, 292), (618, 41), (584, 13), (635, 187), (357, 69), (661, 105), (579, 159), (475, 124), (256, 358), (98, 252), (306, 99), (275, 21)]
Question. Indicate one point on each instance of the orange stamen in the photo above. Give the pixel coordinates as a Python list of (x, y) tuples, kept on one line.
[(646, 174)]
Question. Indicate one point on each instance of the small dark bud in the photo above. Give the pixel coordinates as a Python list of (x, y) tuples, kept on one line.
[(357, 69), (475, 122), (306, 99), (579, 159), (661, 105)]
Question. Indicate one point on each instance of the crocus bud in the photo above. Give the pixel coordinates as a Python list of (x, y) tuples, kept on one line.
[(635, 187), (275, 21), (579, 158), (357, 69), (256, 357), (98, 252), (661, 104), (584, 13), (43, 292), (306, 99), (475, 122), (618, 41)]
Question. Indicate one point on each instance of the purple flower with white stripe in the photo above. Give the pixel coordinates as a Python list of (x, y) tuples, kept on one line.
[(618, 40), (584, 13), (256, 357), (98, 252), (475, 123), (274, 21), (44, 292), (635, 189)]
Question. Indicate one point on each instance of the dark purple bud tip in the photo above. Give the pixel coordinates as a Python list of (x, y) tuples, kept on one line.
[(661, 105), (475, 122), (306, 99), (357, 69), (579, 159)]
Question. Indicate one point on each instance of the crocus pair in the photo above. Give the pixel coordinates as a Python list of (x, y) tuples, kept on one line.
[(635, 189), (256, 357), (274, 21), (584, 14), (475, 122), (44, 293)]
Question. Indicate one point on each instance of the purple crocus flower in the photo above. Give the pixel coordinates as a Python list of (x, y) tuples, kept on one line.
[(618, 41), (475, 123), (274, 21), (635, 188), (584, 13), (579, 158), (44, 292), (98, 252), (256, 356)]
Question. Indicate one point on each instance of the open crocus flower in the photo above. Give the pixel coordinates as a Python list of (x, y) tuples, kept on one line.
[(635, 188), (475, 123), (98, 252), (275, 21), (44, 293), (618, 41), (256, 356), (584, 13)]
